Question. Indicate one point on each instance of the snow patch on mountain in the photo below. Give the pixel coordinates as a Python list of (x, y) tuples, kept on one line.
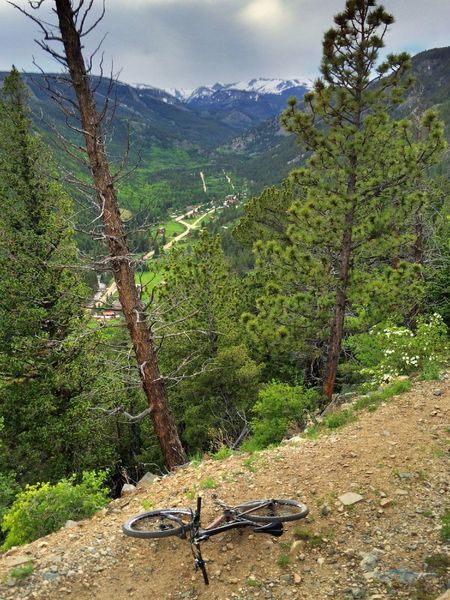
[(260, 85)]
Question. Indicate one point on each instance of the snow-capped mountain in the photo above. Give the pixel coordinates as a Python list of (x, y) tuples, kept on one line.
[(243, 103), (261, 85)]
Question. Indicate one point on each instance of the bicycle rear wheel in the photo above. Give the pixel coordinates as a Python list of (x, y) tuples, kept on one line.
[(159, 523), (272, 511)]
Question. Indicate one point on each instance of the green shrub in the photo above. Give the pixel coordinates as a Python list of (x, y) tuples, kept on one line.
[(8, 490), (8, 484), (283, 560), (22, 571), (42, 508), (339, 419), (209, 483), (388, 351), (279, 407), (373, 400), (223, 453), (430, 372)]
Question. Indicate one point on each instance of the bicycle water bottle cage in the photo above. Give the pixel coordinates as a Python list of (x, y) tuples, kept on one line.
[(275, 529)]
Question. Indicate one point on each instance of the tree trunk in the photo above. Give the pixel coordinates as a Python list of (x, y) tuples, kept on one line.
[(337, 328), (123, 271)]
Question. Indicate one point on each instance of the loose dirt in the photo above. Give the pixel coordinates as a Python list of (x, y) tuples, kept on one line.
[(388, 545)]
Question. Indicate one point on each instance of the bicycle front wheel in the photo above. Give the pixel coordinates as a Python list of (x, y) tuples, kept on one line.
[(159, 523), (272, 511)]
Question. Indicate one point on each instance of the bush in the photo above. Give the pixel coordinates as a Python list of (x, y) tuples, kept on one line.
[(223, 453), (43, 508), (339, 419), (8, 490), (445, 531), (279, 407), (388, 351)]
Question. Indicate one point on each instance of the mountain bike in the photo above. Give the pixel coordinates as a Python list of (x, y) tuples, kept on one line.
[(264, 516)]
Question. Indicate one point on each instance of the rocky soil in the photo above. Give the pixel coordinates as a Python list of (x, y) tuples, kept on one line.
[(386, 545)]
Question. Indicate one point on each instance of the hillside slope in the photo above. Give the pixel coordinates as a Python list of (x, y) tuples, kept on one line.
[(397, 457), (267, 154)]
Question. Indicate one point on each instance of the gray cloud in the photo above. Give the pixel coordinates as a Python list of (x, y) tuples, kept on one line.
[(184, 43)]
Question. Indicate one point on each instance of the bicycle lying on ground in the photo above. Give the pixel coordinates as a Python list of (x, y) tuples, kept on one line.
[(265, 516)]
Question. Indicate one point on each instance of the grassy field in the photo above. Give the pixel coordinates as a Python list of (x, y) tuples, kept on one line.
[(173, 228), (149, 280), (191, 220)]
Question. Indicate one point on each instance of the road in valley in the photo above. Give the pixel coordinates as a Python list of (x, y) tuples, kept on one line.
[(112, 288)]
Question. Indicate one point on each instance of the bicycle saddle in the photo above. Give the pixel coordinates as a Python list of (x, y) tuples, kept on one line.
[(275, 529)]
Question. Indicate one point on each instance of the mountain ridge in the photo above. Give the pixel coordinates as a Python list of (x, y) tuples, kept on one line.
[(259, 85)]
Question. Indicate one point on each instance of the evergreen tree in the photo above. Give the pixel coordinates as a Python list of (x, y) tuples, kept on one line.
[(204, 346), (49, 360), (350, 231)]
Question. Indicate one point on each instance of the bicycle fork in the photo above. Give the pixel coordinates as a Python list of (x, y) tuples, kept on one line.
[(199, 562)]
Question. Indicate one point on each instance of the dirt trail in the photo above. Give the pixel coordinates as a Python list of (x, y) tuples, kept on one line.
[(397, 457)]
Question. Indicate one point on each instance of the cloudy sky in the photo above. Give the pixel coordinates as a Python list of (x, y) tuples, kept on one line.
[(185, 43)]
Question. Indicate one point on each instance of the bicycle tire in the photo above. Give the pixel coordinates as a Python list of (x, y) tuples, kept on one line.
[(159, 523), (272, 511)]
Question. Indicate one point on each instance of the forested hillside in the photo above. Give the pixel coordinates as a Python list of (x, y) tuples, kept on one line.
[(248, 281)]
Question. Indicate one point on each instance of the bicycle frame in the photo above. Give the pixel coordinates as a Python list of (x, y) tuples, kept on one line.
[(237, 521)]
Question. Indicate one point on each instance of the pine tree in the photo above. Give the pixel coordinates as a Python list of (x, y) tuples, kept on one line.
[(203, 345), (350, 228), (41, 297)]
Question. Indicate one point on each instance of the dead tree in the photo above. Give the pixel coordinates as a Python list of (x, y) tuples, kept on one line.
[(69, 32)]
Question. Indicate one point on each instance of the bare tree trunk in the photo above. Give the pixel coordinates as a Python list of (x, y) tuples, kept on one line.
[(140, 334)]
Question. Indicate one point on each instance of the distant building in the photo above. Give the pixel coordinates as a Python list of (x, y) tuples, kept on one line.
[(106, 315), (231, 200)]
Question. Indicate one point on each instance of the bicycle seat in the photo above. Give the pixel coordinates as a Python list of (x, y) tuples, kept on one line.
[(275, 529)]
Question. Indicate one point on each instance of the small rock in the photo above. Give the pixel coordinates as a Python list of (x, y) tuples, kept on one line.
[(438, 392), (16, 561), (297, 579), (69, 524), (297, 545), (127, 488), (357, 593), (325, 510), (385, 502), (403, 576), (370, 561), (147, 480), (350, 498), (401, 492)]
